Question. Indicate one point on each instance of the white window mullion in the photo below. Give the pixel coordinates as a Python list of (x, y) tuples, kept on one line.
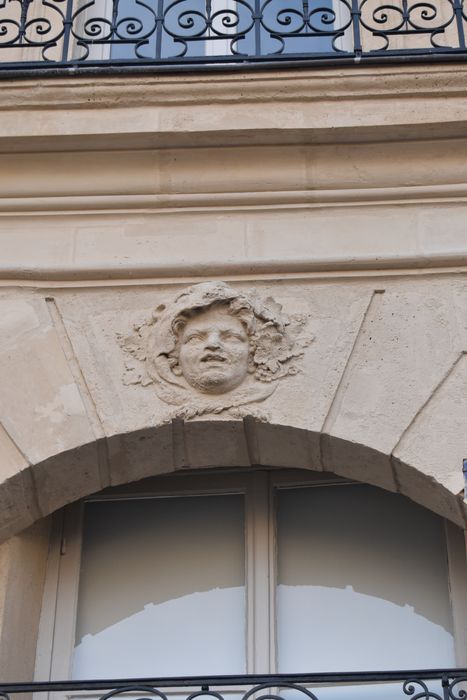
[(47, 619), (260, 583)]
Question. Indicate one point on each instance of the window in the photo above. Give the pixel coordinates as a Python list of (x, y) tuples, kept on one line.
[(194, 29), (252, 572)]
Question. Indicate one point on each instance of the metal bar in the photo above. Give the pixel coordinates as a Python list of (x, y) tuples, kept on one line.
[(257, 26), (30, 70), (357, 40), (445, 684), (459, 22), (159, 28), (67, 25), (238, 680)]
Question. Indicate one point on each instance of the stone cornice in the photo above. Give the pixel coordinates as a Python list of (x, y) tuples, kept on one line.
[(144, 110), (451, 262), (124, 177), (131, 90)]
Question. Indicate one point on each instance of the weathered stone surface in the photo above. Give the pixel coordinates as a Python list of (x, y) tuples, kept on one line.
[(22, 572), (433, 443), (214, 349), (162, 109), (430, 493), (407, 343), (18, 504), (97, 320), (40, 403), (357, 461), (230, 234), (383, 373), (284, 446), (139, 454), (11, 458), (316, 187), (68, 476), (219, 444)]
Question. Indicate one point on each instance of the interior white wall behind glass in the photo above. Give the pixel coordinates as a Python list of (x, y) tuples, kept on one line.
[(362, 582), (162, 588)]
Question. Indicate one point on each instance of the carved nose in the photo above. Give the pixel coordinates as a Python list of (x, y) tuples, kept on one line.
[(213, 341)]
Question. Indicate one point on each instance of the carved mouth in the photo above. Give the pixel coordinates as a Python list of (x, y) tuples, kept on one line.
[(213, 357)]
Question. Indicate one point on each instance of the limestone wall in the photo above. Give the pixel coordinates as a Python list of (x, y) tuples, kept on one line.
[(379, 394), (341, 194)]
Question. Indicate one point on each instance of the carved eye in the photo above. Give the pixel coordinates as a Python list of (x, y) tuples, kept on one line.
[(193, 338), (231, 335)]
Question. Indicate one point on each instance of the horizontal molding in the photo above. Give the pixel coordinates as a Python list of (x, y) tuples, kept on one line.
[(220, 201), (334, 105), (362, 256), (277, 85), (448, 261)]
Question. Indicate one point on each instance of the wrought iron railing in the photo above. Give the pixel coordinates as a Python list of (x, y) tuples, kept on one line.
[(395, 685), (113, 34)]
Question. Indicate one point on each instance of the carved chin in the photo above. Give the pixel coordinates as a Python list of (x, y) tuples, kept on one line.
[(215, 380)]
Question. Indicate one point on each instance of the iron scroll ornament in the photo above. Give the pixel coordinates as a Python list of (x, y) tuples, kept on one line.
[(46, 33)]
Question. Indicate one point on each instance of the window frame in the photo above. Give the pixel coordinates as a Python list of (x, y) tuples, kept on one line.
[(56, 639)]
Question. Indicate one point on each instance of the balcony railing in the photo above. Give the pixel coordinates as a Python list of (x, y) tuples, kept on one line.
[(390, 685), (115, 35)]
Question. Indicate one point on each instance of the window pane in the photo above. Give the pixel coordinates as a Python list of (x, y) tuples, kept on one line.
[(362, 582), (162, 588)]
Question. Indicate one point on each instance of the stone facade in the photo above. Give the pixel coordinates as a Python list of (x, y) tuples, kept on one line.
[(338, 195)]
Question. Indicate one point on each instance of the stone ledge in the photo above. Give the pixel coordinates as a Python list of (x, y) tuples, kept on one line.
[(376, 103), (81, 255), (231, 86)]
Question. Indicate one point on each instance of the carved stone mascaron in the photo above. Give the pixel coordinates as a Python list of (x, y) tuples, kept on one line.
[(214, 349)]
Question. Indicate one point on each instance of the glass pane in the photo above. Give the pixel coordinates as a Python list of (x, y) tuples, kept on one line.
[(197, 28), (362, 582), (162, 588)]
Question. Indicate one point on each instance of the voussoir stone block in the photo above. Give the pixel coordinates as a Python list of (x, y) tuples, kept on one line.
[(357, 462), (284, 446), (11, 458), (40, 403), (430, 493), (407, 343), (433, 443), (68, 476), (18, 504), (140, 454), (219, 444)]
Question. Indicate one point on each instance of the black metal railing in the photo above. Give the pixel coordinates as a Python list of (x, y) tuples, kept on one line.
[(391, 685), (51, 34)]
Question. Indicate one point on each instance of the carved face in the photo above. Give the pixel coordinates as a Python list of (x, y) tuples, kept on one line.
[(214, 351)]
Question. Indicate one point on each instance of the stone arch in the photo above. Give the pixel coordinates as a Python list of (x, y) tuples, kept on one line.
[(39, 489)]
